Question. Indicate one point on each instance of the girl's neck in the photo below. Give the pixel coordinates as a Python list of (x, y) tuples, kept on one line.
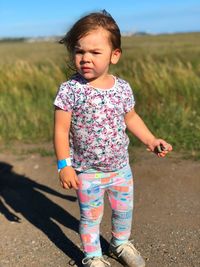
[(105, 82)]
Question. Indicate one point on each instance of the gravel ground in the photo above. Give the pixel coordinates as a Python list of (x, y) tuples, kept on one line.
[(39, 220)]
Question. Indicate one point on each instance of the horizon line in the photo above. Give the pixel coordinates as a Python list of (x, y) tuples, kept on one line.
[(123, 34)]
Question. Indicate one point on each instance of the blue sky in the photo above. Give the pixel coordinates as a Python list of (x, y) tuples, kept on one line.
[(24, 18)]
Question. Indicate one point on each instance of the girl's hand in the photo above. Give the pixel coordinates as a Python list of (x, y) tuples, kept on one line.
[(68, 178), (160, 147)]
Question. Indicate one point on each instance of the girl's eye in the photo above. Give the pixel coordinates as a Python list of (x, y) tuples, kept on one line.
[(79, 52)]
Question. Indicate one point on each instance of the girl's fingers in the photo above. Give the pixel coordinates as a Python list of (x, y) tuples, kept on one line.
[(162, 155), (65, 185), (73, 183)]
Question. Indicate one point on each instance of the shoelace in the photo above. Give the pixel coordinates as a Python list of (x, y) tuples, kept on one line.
[(130, 245), (99, 259)]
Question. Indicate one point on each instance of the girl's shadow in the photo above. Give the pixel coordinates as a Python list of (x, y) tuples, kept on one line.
[(24, 196)]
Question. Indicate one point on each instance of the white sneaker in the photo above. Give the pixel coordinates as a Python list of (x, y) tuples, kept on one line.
[(95, 262), (127, 255)]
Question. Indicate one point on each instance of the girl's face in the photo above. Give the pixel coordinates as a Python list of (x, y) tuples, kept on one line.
[(93, 54)]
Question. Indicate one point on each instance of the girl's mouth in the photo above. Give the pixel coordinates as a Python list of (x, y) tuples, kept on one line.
[(85, 68)]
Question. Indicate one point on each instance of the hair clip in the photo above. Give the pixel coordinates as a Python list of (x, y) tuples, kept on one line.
[(104, 12)]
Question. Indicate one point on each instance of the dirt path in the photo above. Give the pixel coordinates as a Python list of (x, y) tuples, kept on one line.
[(39, 220)]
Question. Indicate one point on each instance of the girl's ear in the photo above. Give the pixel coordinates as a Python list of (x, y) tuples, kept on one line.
[(115, 56)]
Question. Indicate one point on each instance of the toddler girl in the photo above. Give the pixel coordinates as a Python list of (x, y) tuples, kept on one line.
[(92, 111)]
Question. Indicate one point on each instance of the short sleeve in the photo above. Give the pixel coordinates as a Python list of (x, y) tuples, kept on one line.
[(129, 100), (65, 97)]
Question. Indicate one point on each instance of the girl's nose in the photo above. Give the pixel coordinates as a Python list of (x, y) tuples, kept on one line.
[(85, 58)]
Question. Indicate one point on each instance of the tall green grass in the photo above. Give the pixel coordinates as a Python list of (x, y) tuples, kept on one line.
[(26, 100), (167, 97), (164, 72)]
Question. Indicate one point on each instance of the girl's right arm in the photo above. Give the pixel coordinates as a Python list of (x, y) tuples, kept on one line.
[(62, 122)]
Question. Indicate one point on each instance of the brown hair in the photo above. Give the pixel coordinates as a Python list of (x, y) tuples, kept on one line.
[(91, 22)]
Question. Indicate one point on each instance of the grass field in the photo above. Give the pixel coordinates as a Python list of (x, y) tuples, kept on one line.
[(164, 72)]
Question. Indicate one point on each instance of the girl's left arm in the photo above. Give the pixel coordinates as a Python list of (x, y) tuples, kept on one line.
[(137, 127)]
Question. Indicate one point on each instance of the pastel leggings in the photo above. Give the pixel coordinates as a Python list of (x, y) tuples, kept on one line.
[(119, 187)]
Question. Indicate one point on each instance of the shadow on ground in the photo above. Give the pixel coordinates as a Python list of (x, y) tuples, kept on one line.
[(26, 197)]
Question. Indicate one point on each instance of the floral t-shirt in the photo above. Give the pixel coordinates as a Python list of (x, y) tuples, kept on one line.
[(97, 137)]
